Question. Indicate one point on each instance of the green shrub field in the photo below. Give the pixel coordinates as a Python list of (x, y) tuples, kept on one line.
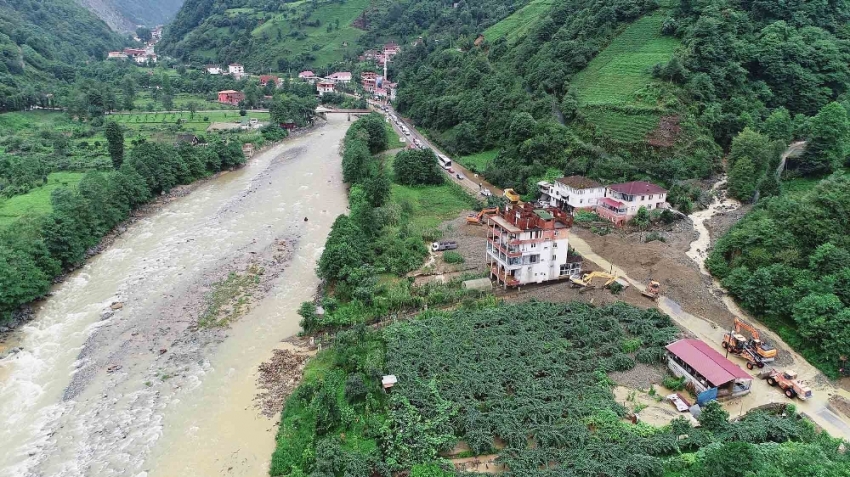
[(624, 67), (518, 24)]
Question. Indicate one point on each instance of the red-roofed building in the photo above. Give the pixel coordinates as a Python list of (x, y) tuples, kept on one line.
[(231, 97), (706, 370), (265, 79), (632, 196), (325, 87), (369, 80), (528, 245), (391, 48)]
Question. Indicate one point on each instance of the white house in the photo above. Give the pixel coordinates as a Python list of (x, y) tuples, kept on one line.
[(325, 87), (214, 69), (236, 70), (528, 245), (339, 77), (622, 201), (573, 192)]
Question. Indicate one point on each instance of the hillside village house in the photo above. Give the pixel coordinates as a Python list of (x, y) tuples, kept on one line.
[(386, 90), (117, 55), (266, 79), (343, 77), (308, 76), (236, 70), (325, 87), (622, 201), (528, 245), (369, 80), (214, 69), (571, 193), (231, 97), (391, 49)]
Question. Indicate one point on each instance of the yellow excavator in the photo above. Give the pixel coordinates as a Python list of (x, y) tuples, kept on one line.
[(586, 280), (653, 290), (765, 351), (478, 218)]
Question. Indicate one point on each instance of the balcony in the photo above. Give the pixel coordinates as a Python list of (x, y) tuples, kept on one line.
[(510, 251), (504, 277)]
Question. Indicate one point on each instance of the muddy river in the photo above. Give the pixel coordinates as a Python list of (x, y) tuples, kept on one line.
[(141, 391)]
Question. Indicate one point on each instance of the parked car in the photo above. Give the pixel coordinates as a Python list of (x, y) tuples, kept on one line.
[(443, 245), (485, 192), (459, 176)]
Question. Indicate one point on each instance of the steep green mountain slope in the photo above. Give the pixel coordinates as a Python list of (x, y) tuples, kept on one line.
[(280, 35), (40, 41)]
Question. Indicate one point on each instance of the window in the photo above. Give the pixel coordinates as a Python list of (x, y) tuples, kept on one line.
[(554, 244), (534, 258), (581, 201), (642, 197)]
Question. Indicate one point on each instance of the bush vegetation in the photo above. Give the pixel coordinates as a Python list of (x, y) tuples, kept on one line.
[(786, 262)]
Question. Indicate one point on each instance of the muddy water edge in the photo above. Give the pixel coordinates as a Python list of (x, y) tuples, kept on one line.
[(142, 390)]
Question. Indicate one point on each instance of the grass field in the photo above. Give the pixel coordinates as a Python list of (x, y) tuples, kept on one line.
[(479, 161), (623, 68), (394, 140), (181, 101), (431, 205), (37, 201), (517, 24)]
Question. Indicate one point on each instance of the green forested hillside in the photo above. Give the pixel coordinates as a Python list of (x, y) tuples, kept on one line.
[(281, 35), (40, 42)]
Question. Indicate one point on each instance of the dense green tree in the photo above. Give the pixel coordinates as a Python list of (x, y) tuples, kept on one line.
[(779, 126), (21, 280), (115, 140), (417, 167), (827, 142), (144, 34), (743, 179)]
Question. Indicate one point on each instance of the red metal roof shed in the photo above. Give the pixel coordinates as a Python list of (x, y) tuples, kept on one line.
[(707, 362)]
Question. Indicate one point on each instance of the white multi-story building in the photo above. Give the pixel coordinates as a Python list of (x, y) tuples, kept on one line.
[(236, 70), (527, 245), (571, 193), (214, 69), (622, 201)]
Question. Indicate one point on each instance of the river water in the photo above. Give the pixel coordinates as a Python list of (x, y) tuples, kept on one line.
[(142, 392)]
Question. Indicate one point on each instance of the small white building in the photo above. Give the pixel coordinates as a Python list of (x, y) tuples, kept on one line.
[(622, 201), (343, 77), (236, 70), (214, 69), (117, 55), (572, 192), (325, 87), (527, 245)]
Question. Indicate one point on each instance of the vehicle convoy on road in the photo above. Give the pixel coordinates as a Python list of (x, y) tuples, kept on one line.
[(787, 381)]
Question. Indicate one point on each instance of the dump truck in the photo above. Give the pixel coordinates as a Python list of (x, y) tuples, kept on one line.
[(478, 218), (788, 382), (511, 195)]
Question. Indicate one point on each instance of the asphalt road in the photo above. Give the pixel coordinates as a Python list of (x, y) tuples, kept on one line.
[(472, 183)]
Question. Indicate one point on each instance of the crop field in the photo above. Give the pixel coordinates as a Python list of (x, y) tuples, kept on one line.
[(181, 101), (199, 123), (622, 127), (478, 162), (37, 201), (517, 24), (326, 46), (624, 67)]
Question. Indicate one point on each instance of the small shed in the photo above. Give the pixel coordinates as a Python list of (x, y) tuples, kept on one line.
[(478, 284), (389, 381), (707, 371)]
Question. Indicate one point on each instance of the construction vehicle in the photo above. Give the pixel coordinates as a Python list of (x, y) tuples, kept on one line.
[(512, 196), (586, 280), (737, 344), (764, 350), (653, 290), (478, 219), (787, 381)]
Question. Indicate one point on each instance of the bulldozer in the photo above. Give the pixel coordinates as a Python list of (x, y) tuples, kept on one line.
[(787, 381), (764, 350), (512, 196), (478, 218), (586, 280), (653, 290)]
